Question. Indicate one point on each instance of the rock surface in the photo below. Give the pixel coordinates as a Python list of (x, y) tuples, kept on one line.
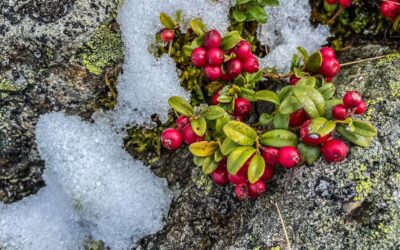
[(351, 205)]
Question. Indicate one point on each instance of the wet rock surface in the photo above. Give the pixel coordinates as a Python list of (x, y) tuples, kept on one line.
[(40, 71), (351, 205)]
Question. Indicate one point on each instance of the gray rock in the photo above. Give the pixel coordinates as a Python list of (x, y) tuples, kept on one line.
[(351, 205)]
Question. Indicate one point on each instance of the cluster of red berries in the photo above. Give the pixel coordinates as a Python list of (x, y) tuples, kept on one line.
[(352, 104), (390, 9), (211, 57), (343, 3), (329, 68)]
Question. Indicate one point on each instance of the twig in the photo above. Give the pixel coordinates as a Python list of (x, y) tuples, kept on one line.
[(169, 48), (283, 225), (363, 60), (335, 16), (278, 76)]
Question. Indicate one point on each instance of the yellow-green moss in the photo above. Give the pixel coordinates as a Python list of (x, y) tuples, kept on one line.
[(395, 89), (364, 183), (203, 182), (389, 58)]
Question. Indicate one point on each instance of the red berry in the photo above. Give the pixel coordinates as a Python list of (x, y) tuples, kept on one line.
[(181, 122), (215, 57), (167, 35), (213, 73), (330, 67), (220, 175), (311, 139), (242, 50), (269, 172), (256, 189), (298, 118), (293, 80), (339, 112), (199, 57), (212, 39), (270, 156), (390, 9), (234, 68), (171, 139), (242, 191), (214, 98), (329, 79), (226, 77), (327, 52), (352, 99), (189, 136), (241, 176), (242, 106), (331, 1), (334, 150), (362, 107), (250, 64), (345, 3), (289, 157)]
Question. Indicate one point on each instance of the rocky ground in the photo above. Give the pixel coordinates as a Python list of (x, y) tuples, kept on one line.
[(53, 55)]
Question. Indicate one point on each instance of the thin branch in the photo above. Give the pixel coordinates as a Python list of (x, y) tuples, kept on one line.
[(363, 60), (283, 225), (335, 16), (278, 76)]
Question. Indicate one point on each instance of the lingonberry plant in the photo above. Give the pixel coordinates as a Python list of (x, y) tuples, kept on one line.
[(307, 121)]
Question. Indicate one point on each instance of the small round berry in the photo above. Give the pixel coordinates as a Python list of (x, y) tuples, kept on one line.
[(352, 99), (293, 80), (167, 35), (213, 73), (212, 39), (181, 122), (234, 68), (171, 139), (269, 172), (312, 139), (345, 3), (256, 189), (215, 57), (298, 118), (329, 79), (270, 156), (189, 136), (226, 77), (251, 64), (241, 176), (242, 191), (242, 50), (220, 175), (327, 52), (334, 150), (199, 57), (362, 107), (330, 67), (289, 157), (214, 98), (339, 112), (390, 9), (242, 106)]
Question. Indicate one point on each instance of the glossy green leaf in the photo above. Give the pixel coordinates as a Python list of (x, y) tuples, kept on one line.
[(321, 126), (239, 2), (238, 158), (248, 94), (281, 121), (220, 123), (240, 133), (308, 81), (327, 90), (228, 146), (225, 99), (309, 154), (312, 101), (199, 126), (230, 40), (285, 92), (279, 138), (270, 3), (256, 168), (203, 148), (257, 12), (214, 112), (359, 140), (209, 165), (198, 161), (181, 106), (314, 62), (218, 156), (267, 96), (265, 119), (364, 128), (295, 63), (289, 105), (239, 16), (167, 21), (198, 27), (303, 52)]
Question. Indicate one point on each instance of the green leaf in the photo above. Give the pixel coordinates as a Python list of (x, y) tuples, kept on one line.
[(240, 133), (359, 140), (255, 77), (309, 154), (228, 146), (265, 119), (303, 52), (198, 27), (181, 106), (225, 99), (209, 165), (203, 148), (279, 138), (256, 168), (198, 161), (327, 90), (230, 40), (329, 104), (314, 62), (364, 129), (308, 81), (240, 81), (239, 16), (285, 92), (238, 158), (248, 94), (396, 23), (289, 105), (167, 21), (239, 2), (321, 126), (281, 121), (214, 112), (218, 156), (199, 126), (257, 12), (268, 96), (295, 63), (312, 101), (271, 3), (220, 123)]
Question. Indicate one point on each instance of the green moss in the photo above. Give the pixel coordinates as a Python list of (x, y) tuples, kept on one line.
[(364, 183), (7, 87), (105, 48), (276, 248), (203, 182), (389, 58), (395, 89)]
